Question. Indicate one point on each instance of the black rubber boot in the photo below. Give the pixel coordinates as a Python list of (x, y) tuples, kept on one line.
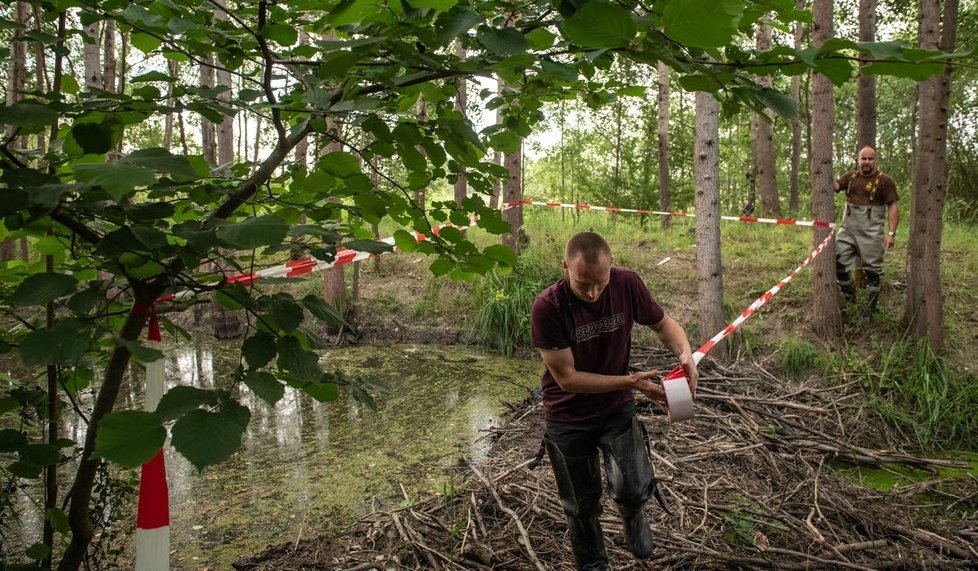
[(631, 483), (872, 293), (579, 487), (846, 285)]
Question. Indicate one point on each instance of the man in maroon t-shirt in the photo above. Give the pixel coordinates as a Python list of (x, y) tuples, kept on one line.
[(582, 326)]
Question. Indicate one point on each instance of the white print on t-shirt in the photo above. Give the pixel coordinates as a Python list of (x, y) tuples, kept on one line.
[(595, 328)]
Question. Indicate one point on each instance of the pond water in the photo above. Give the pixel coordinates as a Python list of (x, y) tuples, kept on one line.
[(305, 467)]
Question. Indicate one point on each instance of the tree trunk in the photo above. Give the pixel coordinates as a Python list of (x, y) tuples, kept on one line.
[(827, 317), (513, 193), (461, 100), (207, 131), (925, 298), (796, 122), (709, 272), (420, 195), (109, 59), (866, 104), (93, 63), (173, 68), (767, 182), (662, 140)]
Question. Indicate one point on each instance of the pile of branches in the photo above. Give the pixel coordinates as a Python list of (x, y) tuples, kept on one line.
[(753, 481)]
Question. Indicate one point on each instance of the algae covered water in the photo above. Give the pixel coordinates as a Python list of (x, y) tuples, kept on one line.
[(306, 467)]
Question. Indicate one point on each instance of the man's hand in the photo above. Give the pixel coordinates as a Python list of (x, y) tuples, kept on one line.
[(645, 383), (692, 374)]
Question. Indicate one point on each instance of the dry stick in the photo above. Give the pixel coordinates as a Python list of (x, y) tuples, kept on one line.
[(513, 515), (827, 562), (934, 540), (860, 546)]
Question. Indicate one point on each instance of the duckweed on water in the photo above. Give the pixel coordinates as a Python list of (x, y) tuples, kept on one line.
[(306, 467)]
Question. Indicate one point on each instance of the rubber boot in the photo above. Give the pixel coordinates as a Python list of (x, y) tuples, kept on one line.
[(579, 487), (872, 294), (631, 483), (846, 285)]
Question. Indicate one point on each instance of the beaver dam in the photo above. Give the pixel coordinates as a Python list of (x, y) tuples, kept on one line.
[(769, 474)]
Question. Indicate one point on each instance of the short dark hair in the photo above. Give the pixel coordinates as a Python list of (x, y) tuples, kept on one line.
[(588, 244)]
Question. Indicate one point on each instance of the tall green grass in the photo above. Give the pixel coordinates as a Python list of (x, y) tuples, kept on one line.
[(504, 300), (921, 396)]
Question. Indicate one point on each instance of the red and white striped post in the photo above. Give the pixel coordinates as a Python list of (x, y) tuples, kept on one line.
[(153, 512)]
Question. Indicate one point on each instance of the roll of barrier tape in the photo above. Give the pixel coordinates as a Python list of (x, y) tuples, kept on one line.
[(678, 398)]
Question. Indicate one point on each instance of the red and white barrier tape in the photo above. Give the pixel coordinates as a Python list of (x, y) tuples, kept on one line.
[(585, 206), (675, 381), (296, 268)]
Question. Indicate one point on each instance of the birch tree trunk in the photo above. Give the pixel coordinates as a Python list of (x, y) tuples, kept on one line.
[(827, 317), (92, 53), (709, 272)]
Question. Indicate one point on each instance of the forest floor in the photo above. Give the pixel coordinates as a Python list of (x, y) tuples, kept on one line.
[(773, 472)]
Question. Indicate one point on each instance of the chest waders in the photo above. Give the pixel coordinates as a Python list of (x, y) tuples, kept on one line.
[(630, 484), (861, 238)]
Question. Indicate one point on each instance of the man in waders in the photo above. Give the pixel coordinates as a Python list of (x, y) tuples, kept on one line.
[(868, 228), (582, 326)]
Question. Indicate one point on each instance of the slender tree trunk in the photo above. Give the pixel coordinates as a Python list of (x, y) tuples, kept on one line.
[(513, 193), (866, 104), (173, 68), (796, 122), (926, 319), (93, 63), (109, 59), (461, 101), (766, 170), (827, 317), (662, 141), (706, 165), (420, 195)]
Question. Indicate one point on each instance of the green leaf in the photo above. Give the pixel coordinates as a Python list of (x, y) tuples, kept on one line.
[(299, 362), (780, 103), (209, 438), (370, 246), (351, 11), (322, 392), (154, 75), (129, 438), (441, 266), (502, 254), (457, 21), (12, 440), (142, 353), (118, 179), (144, 42), (541, 38), (839, 71), (286, 312), (28, 117), (38, 551), (25, 470), (39, 289), (340, 164), (40, 454), (265, 386), (599, 25), (258, 350), (97, 134), (702, 23), (323, 311), (182, 399), (281, 34), (502, 41), (268, 230), (911, 70), (63, 344), (161, 160), (437, 5)]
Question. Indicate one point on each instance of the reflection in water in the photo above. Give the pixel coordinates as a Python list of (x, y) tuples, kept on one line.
[(305, 467)]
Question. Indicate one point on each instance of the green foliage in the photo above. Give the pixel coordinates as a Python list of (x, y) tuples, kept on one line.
[(798, 357), (920, 396), (504, 300)]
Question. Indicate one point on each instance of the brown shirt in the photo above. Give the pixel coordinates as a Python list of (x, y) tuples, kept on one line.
[(876, 189)]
